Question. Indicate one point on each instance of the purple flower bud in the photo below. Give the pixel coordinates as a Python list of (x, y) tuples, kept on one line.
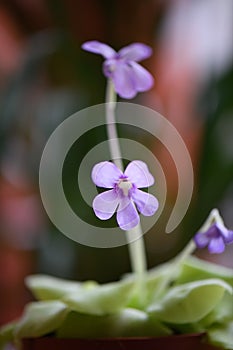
[(127, 75), (216, 237)]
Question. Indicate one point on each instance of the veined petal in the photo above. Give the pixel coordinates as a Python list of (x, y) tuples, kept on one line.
[(201, 240), (127, 215), (105, 204), (138, 173), (146, 203), (135, 52), (123, 80), (216, 245), (143, 80), (105, 174), (99, 48)]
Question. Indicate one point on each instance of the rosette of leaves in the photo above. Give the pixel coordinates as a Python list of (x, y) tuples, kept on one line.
[(198, 299)]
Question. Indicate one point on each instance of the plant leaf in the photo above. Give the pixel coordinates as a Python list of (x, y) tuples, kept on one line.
[(190, 302), (40, 318), (46, 287), (222, 313), (126, 323), (222, 335), (194, 269), (154, 282), (106, 299)]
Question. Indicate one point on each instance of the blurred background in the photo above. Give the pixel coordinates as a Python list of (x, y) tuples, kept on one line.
[(45, 77)]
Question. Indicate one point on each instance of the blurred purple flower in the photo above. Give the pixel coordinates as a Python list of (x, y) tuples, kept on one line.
[(127, 75), (123, 193), (215, 238)]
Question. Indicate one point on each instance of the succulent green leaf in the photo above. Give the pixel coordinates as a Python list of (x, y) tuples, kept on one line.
[(222, 313), (154, 283), (106, 299), (222, 335), (190, 302), (194, 269), (40, 318), (46, 287), (126, 323)]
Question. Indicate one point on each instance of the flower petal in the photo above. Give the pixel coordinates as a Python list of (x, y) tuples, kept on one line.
[(146, 203), (213, 231), (99, 48), (138, 173), (226, 234), (127, 215), (201, 240), (143, 80), (135, 52), (216, 245), (105, 204), (229, 238), (123, 80), (105, 174)]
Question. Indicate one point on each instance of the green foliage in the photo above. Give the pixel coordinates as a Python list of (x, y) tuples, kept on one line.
[(125, 323), (51, 288), (194, 269), (192, 296), (40, 318), (106, 299), (222, 335), (189, 302)]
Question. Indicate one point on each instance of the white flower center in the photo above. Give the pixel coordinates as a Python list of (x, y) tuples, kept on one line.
[(125, 185), (111, 68)]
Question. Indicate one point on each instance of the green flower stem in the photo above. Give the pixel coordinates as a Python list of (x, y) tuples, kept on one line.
[(134, 236), (185, 253), (114, 146), (213, 217), (174, 271)]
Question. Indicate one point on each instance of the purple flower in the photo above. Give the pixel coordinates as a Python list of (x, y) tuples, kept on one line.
[(127, 75), (123, 193), (215, 238)]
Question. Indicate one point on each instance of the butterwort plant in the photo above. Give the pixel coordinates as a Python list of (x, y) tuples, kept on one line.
[(183, 295)]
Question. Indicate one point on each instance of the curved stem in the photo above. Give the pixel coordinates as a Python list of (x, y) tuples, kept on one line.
[(186, 252), (134, 236)]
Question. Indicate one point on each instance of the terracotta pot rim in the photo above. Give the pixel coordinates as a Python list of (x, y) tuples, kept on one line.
[(188, 341)]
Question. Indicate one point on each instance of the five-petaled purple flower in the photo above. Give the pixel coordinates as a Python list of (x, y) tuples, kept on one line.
[(127, 75), (215, 238), (123, 193)]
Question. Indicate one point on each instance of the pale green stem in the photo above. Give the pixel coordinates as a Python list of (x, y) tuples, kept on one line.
[(134, 236), (113, 141), (174, 270), (186, 252), (214, 216)]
